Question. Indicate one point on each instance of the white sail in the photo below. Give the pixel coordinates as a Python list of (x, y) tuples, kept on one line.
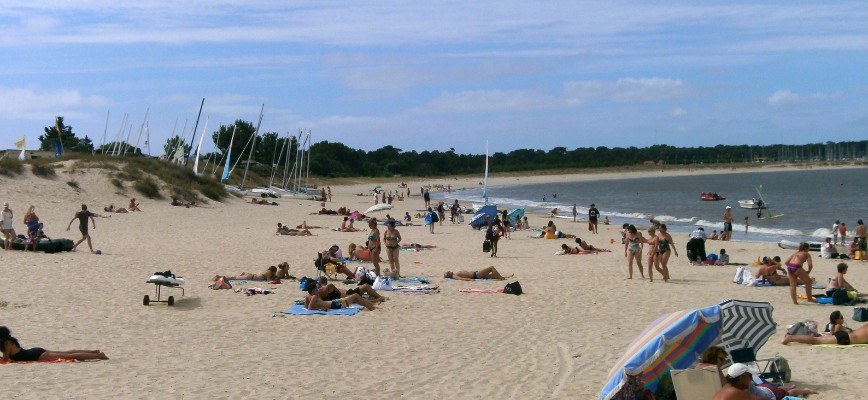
[(199, 147)]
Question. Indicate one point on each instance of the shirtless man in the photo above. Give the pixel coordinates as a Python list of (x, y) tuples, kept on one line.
[(313, 301), (329, 292), (738, 380), (859, 234), (858, 336), (726, 234), (485, 273)]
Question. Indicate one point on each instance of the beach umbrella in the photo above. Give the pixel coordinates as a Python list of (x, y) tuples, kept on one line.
[(378, 207), (749, 322), (515, 216), (478, 219), (671, 341)]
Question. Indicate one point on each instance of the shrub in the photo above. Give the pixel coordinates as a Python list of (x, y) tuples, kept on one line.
[(10, 166), (148, 188), (44, 170), (117, 183), (73, 184)]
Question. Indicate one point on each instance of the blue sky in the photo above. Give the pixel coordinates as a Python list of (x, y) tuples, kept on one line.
[(435, 75)]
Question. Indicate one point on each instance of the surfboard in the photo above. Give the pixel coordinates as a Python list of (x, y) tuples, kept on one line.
[(791, 245)]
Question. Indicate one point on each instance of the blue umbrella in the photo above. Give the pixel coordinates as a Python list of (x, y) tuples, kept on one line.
[(671, 341)]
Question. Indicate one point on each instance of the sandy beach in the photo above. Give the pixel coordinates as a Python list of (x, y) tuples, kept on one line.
[(558, 340)]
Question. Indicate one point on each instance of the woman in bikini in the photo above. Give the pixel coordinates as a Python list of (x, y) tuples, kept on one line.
[(12, 351), (796, 272), (485, 273), (665, 247), (392, 240), (652, 251), (374, 244), (633, 244), (268, 275), (571, 250)]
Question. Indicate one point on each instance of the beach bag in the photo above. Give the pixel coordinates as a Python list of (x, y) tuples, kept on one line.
[(382, 283), (486, 246), (799, 328), (840, 297), (860, 314), (512, 288), (307, 283), (739, 275), (434, 217)]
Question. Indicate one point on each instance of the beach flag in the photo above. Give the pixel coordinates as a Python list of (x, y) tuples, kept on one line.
[(20, 144), (58, 146)]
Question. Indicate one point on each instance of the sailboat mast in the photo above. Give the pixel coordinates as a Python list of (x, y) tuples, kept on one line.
[(485, 178), (252, 146)]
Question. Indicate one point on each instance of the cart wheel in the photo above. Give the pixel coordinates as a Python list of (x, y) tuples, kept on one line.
[(171, 300), (146, 300)]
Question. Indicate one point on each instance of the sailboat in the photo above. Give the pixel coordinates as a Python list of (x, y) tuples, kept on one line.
[(762, 201), (485, 209)]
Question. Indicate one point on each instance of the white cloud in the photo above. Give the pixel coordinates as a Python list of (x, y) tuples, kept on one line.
[(485, 100), (785, 96), (26, 103), (625, 90)]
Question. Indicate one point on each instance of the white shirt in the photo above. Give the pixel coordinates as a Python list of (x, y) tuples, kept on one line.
[(826, 250), (7, 219), (698, 234)]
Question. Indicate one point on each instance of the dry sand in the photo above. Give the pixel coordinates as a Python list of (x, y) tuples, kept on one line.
[(558, 340)]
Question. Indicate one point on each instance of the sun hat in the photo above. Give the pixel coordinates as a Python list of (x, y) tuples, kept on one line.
[(728, 207), (6, 204), (736, 370)]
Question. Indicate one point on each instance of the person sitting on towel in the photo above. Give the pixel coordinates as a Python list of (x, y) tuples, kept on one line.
[(313, 301), (485, 273), (329, 292)]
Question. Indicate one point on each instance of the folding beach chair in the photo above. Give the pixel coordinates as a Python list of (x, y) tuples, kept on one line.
[(695, 383), (775, 370), (328, 270)]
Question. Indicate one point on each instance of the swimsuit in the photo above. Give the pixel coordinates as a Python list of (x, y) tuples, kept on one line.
[(663, 247), (28, 354), (843, 337), (633, 245), (791, 268), (337, 304), (372, 239)]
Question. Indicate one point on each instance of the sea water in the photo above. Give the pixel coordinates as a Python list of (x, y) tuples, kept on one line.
[(809, 199)]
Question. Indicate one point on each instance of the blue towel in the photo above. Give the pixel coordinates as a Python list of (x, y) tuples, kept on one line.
[(415, 279), (298, 309)]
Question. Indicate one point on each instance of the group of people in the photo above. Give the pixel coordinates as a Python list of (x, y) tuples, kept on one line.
[(660, 244), (858, 244)]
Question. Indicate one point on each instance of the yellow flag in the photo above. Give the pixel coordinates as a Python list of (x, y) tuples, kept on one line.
[(20, 144)]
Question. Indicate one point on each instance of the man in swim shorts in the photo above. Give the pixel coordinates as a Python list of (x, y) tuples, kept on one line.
[(726, 233), (82, 217), (593, 213)]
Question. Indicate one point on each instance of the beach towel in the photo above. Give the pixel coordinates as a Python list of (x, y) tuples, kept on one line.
[(298, 309), (53, 360), (814, 286), (500, 290), (415, 279), (415, 287), (842, 346), (417, 292)]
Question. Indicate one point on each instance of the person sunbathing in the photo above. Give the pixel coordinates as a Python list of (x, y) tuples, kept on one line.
[(287, 231), (769, 272), (269, 274), (842, 337), (417, 246), (133, 205), (329, 292), (304, 225), (111, 208), (566, 249), (485, 273), (348, 227), (12, 351), (358, 253), (314, 302), (283, 271)]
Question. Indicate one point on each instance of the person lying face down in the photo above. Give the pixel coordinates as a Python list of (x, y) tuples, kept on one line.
[(313, 301), (485, 273)]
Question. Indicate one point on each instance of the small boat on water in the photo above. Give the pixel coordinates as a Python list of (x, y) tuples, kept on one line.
[(791, 245), (709, 196), (753, 204)]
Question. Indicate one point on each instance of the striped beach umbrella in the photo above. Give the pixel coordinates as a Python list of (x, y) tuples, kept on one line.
[(671, 341), (747, 321)]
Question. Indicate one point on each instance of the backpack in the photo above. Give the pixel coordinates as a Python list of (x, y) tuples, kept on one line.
[(513, 288), (305, 283), (434, 217)]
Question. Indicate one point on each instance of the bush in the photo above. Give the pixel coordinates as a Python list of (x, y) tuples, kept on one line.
[(10, 166), (117, 183), (73, 184), (44, 170), (148, 188)]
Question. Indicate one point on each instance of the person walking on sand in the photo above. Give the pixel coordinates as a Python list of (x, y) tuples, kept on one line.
[(665, 248), (593, 213), (575, 212), (633, 244), (796, 272), (6, 226), (82, 217), (842, 230), (727, 224)]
